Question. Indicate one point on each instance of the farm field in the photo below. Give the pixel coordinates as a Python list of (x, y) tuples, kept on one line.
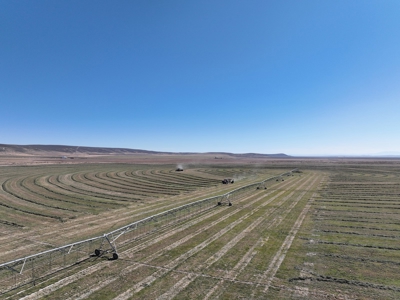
[(331, 231)]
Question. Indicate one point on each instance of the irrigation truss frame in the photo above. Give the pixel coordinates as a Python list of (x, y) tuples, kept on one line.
[(29, 269)]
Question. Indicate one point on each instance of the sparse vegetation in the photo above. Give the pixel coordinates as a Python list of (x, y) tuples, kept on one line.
[(329, 231)]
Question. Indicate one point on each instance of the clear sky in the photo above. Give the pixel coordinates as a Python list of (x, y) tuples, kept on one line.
[(298, 77)]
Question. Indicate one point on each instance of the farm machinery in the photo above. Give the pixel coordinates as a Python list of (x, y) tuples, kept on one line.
[(228, 181)]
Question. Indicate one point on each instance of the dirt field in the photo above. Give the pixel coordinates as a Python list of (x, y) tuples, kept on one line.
[(331, 231)]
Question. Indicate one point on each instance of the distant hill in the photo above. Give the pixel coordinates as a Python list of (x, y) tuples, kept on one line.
[(6, 149), (35, 149), (252, 155)]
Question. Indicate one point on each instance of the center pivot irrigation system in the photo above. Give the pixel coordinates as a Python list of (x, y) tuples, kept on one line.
[(29, 269)]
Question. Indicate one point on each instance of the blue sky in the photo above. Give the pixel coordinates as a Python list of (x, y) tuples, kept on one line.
[(298, 77)]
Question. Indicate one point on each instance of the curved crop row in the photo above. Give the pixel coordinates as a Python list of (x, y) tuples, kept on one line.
[(65, 192)]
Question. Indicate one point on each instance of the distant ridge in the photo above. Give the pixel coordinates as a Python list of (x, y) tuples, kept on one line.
[(252, 155), (35, 149), (76, 150)]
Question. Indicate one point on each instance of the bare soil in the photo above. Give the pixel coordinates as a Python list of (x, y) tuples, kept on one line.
[(330, 231)]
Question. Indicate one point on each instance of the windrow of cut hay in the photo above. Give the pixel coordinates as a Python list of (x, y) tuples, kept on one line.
[(48, 206), (351, 240), (195, 250)]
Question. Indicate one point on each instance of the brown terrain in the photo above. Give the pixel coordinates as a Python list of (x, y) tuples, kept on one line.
[(54, 154), (317, 228)]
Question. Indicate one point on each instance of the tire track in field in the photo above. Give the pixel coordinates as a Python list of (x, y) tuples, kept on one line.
[(82, 227), (150, 279), (185, 281), (294, 203), (107, 222), (214, 222), (238, 268), (176, 262), (65, 281), (276, 262), (147, 244), (157, 254), (25, 247), (81, 274), (137, 248), (73, 278), (129, 269), (104, 283)]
